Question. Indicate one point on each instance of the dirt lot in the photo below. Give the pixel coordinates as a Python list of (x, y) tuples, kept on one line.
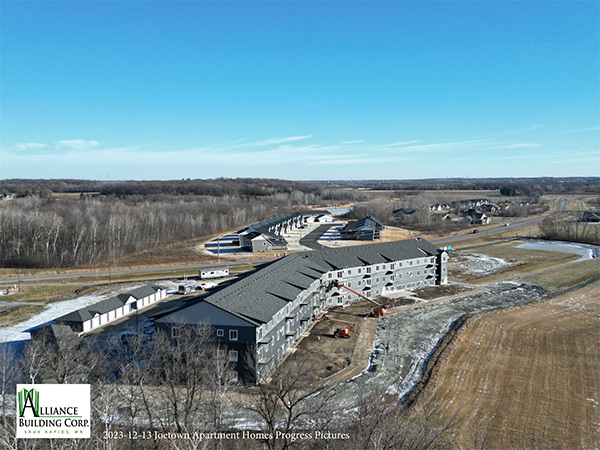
[(328, 355), (526, 377)]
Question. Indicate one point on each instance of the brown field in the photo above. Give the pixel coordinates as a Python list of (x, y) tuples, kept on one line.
[(527, 377)]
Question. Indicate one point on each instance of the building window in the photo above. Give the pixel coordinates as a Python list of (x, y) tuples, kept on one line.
[(376, 267), (260, 334), (359, 270), (220, 332), (233, 335), (234, 376), (399, 264), (233, 355), (349, 271), (410, 262), (340, 274), (329, 275), (175, 332), (377, 280), (382, 278), (383, 267), (359, 282), (220, 353), (418, 272), (349, 284)]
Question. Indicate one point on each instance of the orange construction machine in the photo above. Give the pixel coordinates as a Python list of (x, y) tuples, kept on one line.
[(343, 332), (378, 311)]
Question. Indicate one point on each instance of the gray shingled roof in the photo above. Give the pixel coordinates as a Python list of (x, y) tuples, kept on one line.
[(260, 295), (110, 304), (366, 223)]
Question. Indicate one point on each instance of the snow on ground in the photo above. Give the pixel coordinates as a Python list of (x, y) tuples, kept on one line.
[(482, 264), (584, 250), (19, 331), (404, 340)]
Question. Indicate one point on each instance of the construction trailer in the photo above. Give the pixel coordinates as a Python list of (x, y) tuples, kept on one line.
[(213, 273)]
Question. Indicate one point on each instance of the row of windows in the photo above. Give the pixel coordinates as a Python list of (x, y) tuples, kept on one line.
[(233, 355), (233, 334)]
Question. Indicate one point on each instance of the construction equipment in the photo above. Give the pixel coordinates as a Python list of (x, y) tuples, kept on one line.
[(343, 332), (378, 311)]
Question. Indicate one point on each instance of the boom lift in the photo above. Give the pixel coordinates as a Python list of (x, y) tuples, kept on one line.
[(378, 311)]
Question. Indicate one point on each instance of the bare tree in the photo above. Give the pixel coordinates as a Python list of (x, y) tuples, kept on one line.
[(289, 401)]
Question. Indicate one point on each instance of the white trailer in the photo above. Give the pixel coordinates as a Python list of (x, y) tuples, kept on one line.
[(213, 273)]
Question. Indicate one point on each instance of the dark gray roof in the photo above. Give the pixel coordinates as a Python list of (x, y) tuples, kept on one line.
[(366, 223), (258, 296), (110, 304)]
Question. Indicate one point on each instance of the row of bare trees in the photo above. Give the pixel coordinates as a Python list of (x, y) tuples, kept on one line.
[(182, 388), (35, 232), (570, 228)]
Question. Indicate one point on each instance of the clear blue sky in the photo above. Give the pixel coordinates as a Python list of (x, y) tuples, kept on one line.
[(299, 90)]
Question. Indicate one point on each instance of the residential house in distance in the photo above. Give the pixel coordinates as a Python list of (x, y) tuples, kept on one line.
[(402, 213), (365, 229), (475, 217), (100, 313), (259, 317)]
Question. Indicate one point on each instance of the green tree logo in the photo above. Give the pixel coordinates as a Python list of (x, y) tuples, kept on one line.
[(29, 399)]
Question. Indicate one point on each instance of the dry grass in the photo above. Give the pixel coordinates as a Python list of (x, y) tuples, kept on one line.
[(527, 377), (564, 276), (523, 261)]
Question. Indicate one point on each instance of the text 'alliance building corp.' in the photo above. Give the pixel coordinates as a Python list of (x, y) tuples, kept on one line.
[(267, 311)]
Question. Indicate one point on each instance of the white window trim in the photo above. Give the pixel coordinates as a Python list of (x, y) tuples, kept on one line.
[(220, 332), (231, 332)]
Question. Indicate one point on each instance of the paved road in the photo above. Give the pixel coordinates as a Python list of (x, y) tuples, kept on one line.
[(106, 273), (310, 240), (514, 226)]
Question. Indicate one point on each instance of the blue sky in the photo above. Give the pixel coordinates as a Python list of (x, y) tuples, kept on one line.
[(299, 90)]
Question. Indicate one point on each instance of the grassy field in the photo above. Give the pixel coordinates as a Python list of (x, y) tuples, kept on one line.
[(526, 377), (522, 261), (555, 279)]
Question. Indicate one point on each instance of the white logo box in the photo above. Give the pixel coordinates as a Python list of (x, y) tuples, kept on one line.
[(53, 411)]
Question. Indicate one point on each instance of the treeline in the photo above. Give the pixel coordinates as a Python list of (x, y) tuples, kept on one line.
[(570, 228), (213, 187), (334, 189), (38, 232), (509, 186)]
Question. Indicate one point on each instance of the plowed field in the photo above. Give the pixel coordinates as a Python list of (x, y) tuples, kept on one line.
[(528, 377)]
